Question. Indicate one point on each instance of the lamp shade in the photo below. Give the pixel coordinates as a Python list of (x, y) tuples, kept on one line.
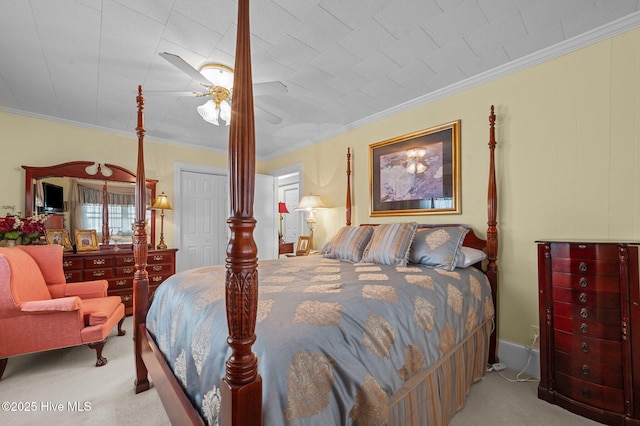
[(282, 208), (310, 202), (162, 203)]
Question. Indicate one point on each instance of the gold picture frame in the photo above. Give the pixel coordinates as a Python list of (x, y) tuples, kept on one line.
[(59, 237), (417, 173), (304, 246), (86, 240)]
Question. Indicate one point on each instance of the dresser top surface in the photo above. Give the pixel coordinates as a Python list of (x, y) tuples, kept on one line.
[(576, 241)]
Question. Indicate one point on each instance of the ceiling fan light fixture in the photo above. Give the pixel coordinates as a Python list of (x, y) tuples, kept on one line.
[(213, 113), (218, 75), (225, 112), (208, 112)]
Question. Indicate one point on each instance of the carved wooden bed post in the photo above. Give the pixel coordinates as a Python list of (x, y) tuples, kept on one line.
[(105, 213), (348, 200), (241, 388), (492, 233), (140, 252)]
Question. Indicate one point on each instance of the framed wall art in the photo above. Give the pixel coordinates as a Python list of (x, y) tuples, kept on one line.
[(86, 240), (59, 237), (416, 174)]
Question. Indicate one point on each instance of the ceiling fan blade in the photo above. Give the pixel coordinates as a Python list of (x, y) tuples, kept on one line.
[(267, 116), (183, 66), (269, 88), (174, 93)]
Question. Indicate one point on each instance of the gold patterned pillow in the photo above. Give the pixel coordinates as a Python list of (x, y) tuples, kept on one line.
[(348, 244), (389, 244), (438, 247)]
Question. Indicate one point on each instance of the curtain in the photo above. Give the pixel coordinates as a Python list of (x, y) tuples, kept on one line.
[(87, 203)]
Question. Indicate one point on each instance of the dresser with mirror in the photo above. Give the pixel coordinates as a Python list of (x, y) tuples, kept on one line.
[(83, 195)]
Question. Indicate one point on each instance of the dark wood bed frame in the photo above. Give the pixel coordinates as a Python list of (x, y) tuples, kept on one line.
[(241, 387)]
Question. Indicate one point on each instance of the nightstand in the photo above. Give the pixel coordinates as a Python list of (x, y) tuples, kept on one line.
[(284, 248)]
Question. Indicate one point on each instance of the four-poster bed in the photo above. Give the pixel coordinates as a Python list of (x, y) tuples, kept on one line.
[(429, 380)]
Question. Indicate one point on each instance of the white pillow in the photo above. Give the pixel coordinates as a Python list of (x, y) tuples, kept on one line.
[(469, 256)]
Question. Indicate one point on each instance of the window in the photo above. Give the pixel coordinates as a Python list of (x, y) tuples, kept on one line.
[(121, 208)]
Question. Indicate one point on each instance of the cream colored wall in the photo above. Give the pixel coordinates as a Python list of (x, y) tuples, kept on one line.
[(36, 142), (567, 158)]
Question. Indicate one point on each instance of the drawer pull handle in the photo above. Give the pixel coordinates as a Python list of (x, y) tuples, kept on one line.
[(157, 268), (157, 278), (582, 267), (121, 282), (98, 273), (128, 260), (583, 297), (586, 393), (585, 370), (584, 313), (125, 298), (584, 347), (99, 261), (582, 246), (128, 270), (584, 329), (583, 282), (67, 276), (67, 263), (158, 258)]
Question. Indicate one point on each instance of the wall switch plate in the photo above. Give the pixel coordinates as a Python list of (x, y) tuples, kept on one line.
[(498, 366)]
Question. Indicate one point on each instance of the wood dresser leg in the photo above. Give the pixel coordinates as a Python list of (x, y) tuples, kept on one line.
[(3, 364)]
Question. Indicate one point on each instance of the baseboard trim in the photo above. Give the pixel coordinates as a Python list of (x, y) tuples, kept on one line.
[(516, 356)]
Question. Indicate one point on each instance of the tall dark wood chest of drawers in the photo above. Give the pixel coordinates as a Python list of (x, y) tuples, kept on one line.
[(118, 267), (589, 302)]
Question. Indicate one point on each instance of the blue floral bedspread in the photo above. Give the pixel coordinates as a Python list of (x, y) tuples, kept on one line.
[(334, 339)]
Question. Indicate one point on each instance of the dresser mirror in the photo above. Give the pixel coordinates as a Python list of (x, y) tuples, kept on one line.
[(86, 195)]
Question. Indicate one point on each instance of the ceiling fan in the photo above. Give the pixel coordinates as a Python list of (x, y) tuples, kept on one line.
[(217, 80)]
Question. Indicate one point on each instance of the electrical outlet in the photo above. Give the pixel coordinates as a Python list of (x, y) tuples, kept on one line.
[(498, 366), (534, 339)]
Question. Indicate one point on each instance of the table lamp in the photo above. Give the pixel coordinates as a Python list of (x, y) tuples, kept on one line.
[(162, 204), (282, 208), (310, 203)]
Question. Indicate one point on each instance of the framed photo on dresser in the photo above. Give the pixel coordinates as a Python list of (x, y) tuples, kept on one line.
[(86, 240), (59, 237)]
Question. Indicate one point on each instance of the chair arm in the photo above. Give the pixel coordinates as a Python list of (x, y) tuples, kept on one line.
[(87, 289), (52, 305)]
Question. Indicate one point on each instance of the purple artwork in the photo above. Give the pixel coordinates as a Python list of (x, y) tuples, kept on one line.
[(413, 174)]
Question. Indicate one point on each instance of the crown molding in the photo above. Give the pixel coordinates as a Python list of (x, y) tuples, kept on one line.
[(588, 38)]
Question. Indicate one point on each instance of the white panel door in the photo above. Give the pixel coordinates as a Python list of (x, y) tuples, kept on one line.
[(204, 214), (292, 221), (265, 209)]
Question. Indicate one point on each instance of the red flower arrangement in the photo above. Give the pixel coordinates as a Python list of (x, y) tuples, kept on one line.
[(27, 229)]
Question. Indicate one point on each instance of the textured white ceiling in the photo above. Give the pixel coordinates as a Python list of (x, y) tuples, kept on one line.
[(345, 62)]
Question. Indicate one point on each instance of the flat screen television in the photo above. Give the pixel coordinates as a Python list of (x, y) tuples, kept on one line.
[(53, 198)]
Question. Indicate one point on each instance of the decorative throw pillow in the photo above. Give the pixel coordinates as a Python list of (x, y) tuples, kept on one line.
[(348, 244), (390, 243), (469, 256), (438, 247)]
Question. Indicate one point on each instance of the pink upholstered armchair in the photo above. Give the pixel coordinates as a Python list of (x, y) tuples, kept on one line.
[(39, 311)]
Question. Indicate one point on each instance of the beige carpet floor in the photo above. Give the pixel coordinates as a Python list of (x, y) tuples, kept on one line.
[(55, 385)]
